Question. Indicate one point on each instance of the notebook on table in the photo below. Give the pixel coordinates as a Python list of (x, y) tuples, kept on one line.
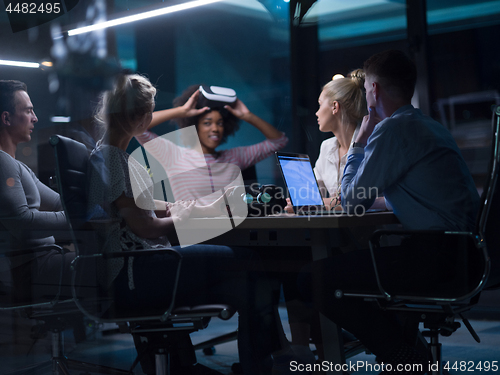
[(301, 184)]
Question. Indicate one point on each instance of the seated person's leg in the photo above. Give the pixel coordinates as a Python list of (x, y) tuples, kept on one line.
[(47, 272), (380, 331), (283, 264), (236, 277), (213, 274)]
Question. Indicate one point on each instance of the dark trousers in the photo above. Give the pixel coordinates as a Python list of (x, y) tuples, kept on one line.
[(37, 279), (212, 274)]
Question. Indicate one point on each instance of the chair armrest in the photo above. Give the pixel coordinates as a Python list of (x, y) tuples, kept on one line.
[(421, 235), (126, 254), (103, 221), (378, 234), (32, 250), (141, 253)]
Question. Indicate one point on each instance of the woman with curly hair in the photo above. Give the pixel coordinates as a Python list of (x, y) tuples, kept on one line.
[(213, 126)]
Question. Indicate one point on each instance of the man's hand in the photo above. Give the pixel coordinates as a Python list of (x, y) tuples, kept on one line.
[(367, 126)]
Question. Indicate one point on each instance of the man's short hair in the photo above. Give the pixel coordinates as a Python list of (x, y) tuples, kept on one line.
[(395, 72), (7, 90)]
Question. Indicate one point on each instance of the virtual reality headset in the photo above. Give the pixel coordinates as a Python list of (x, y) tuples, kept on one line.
[(216, 97)]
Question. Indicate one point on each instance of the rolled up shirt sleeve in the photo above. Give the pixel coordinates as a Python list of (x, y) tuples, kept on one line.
[(369, 171)]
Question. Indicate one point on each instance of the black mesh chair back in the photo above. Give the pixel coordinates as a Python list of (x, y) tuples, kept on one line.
[(73, 157), (476, 253), (72, 166)]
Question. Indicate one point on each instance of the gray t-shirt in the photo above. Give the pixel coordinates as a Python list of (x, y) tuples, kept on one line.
[(30, 211)]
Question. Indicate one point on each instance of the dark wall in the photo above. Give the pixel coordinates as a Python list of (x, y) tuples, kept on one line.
[(464, 61), (459, 62)]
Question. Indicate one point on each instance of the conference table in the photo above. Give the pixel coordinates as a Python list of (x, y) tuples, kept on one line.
[(322, 234)]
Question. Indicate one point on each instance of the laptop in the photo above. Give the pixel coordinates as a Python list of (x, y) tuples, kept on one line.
[(301, 184)]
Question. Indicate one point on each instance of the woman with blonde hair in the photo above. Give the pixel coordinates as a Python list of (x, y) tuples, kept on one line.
[(342, 105)]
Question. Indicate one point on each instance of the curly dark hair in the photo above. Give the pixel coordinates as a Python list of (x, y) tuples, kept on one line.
[(231, 122)]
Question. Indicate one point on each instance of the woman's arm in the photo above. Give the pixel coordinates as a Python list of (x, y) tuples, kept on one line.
[(241, 111), (161, 208), (186, 110), (140, 222)]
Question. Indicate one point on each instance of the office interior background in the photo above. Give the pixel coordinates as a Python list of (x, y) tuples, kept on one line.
[(276, 54)]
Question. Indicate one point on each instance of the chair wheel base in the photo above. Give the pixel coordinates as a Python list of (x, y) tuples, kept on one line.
[(209, 351), (236, 369)]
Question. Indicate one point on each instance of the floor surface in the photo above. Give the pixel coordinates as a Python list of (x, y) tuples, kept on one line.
[(103, 346)]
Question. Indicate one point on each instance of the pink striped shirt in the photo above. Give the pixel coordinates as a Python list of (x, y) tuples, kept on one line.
[(195, 176)]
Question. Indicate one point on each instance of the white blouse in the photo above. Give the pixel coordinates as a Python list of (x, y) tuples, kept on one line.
[(329, 169)]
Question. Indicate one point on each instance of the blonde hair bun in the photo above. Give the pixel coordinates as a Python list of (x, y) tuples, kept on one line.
[(358, 76), (349, 92)]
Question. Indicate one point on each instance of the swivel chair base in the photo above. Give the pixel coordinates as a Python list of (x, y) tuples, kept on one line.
[(60, 365)]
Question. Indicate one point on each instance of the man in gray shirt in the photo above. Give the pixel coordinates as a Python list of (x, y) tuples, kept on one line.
[(29, 211)]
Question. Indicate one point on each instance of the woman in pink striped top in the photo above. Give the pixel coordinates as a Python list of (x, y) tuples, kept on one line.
[(187, 178)]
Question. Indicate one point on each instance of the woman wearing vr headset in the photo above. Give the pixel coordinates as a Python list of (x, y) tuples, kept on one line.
[(215, 120)]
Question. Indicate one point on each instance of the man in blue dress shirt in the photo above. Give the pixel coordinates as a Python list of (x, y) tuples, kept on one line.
[(410, 158), (415, 163)]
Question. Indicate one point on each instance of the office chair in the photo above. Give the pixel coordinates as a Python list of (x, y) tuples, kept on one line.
[(479, 249), (57, 311), (166, 331), (489, 222)]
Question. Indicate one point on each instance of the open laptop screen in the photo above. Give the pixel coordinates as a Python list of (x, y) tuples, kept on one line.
[(299, 179)]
